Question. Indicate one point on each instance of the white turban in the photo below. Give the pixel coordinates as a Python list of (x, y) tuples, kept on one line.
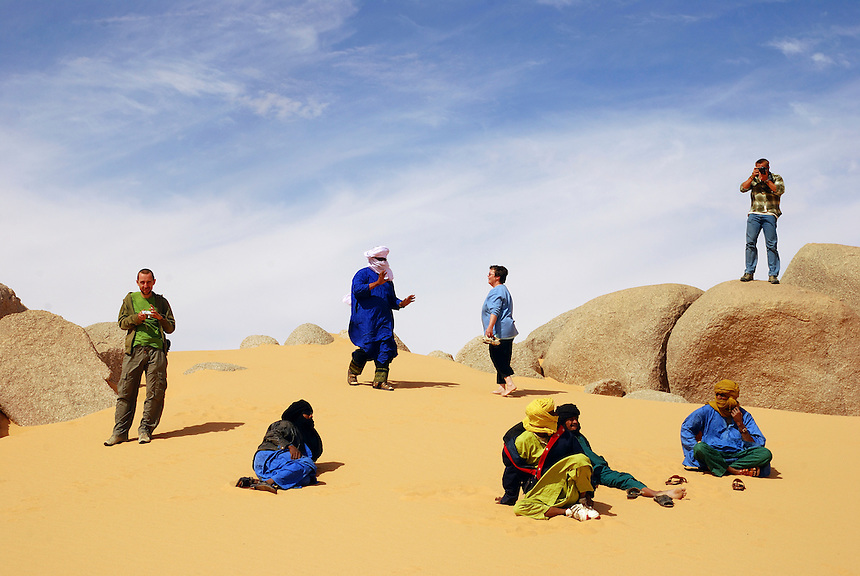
[(379, 266)]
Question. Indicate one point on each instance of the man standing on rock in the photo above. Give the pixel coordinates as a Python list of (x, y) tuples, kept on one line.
[(723, 438), (147, 317), (371, 321), (765, 189)]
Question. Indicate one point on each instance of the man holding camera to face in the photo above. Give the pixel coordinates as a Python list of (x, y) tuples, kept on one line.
[(765, 189)]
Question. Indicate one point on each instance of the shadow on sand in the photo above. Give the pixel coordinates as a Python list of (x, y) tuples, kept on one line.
[(199, 429)]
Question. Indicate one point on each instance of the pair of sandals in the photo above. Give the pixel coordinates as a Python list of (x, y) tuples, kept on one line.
[(255, 484)]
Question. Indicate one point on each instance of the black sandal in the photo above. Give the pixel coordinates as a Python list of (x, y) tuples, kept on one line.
[(633, 493)]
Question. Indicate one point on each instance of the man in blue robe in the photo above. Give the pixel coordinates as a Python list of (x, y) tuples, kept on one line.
[(371, 321), (723, 438)]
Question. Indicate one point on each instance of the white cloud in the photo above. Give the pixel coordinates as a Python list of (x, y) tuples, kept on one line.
[(792, 46)]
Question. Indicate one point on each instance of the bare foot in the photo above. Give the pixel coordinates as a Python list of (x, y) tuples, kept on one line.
[(676, 493), (743, 471), (509, 390), (499, 390)]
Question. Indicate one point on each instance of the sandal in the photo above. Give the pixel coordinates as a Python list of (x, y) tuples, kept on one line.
[(245, 482), (265, 486), (751, 472), (664, 500), (738, 484), (383, 386), (674, 480), (633, 493)]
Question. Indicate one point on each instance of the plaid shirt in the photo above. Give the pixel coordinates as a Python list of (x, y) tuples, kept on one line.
[(762, 200)]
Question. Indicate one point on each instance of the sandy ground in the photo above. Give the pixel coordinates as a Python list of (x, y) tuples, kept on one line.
[(407, 483)]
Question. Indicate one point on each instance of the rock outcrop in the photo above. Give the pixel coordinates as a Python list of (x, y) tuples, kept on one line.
[(49, 370), (606, 388), (9, 303), (832, 269), (216, 366), (787, 347), (109, 341), (540, 339), (475, 355), (258, 340), (619, 336), (654, 396), (308, 334)]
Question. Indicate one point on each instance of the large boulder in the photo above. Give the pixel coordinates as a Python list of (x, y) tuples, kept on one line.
[(258, 340), (619, 336), (109, 341), (787, 347), (540, 339), (476, 355), (832, 269), (49, 370), (9, 303), (308, 334)]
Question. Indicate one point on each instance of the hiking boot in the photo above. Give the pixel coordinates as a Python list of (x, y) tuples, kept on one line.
[(116, 439), (143, 437), (773, 279), (351, 379), (746, 277)]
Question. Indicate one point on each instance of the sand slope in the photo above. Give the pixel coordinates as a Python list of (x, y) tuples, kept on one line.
[(408, 479)]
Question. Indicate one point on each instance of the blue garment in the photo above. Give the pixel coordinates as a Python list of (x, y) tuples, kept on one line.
[(718, 432), (279, 466), (500, 303), (756, 223), (371, 320)]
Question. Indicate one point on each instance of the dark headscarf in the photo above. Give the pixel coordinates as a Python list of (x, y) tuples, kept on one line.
[(295, 413), (566, 411)]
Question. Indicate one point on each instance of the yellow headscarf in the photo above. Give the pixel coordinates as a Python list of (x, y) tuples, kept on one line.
[(539, 418), (725, 406)]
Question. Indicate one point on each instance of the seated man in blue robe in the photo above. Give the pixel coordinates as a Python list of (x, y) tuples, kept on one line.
[(723, 438)]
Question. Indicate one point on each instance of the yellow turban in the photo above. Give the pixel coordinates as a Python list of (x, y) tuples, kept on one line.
[(725, 405), (539, 418)]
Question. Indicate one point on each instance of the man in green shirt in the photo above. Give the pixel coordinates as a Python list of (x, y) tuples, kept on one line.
[(765, 190), (146, 317)]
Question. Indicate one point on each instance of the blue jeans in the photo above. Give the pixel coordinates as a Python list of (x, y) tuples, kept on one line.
[(755, 224)]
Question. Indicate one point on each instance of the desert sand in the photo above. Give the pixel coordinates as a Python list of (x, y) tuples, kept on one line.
[(407, 482)]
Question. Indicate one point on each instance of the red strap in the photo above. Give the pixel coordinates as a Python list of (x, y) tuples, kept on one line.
[(530, 471), (552, 440)]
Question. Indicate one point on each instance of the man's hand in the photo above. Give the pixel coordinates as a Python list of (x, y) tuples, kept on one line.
[(737, 416), (379, 282), (294, 452), (407, 301)]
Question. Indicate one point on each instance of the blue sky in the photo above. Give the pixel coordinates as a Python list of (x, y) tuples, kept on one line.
[(250, 151)]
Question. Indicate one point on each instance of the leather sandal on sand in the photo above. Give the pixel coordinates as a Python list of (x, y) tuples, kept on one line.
[(674, 480), (265, 486), (383, 386), (633, 493), (664, 500), (738, 484)]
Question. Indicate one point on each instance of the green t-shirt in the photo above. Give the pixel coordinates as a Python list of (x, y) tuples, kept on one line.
[(148, 333)]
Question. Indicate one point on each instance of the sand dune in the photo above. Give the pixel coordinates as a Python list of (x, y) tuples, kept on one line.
[(407, 483)]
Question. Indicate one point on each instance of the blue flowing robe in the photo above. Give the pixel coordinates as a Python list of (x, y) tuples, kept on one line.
[(371, 320)]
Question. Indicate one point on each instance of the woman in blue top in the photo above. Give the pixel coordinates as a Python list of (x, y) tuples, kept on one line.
[(499, 328)]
